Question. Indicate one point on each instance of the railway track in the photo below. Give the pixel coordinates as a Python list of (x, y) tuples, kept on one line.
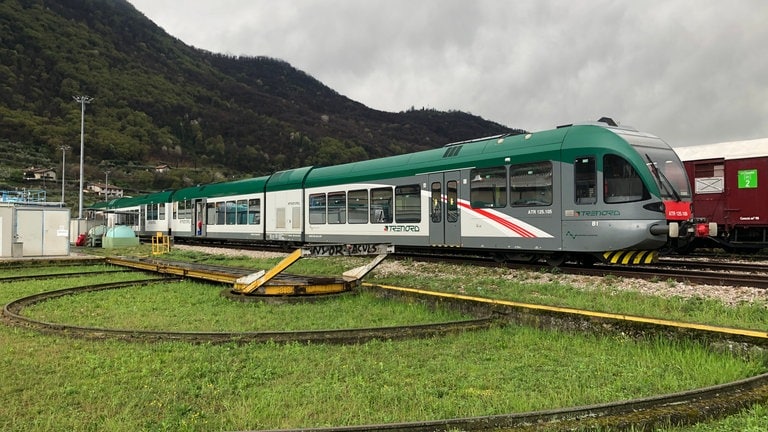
[(13, 314), (689, 270), (708, 273), (645, 413)]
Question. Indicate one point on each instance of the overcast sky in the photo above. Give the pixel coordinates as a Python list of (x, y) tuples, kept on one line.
[(688, 71)]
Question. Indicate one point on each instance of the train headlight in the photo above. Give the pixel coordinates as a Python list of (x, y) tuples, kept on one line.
[(657, 207)]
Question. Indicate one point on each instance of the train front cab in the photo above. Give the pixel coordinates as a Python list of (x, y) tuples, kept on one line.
[(624, 195)]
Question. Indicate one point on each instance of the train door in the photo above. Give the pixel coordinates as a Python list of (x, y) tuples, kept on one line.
[(142, 219), (198, 218), (444, 214)]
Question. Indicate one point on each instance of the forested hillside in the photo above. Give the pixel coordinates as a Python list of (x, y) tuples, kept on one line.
[(156, 99)]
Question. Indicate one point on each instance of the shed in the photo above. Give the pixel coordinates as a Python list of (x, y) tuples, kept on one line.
[(33, 231)]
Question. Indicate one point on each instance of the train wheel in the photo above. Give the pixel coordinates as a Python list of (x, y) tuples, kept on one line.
[(556, 260), (587, 260)]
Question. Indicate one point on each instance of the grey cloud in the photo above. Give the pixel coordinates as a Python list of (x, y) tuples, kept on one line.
[(690, 71)]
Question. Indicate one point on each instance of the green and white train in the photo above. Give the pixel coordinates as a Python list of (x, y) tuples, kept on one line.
[(582, 192)]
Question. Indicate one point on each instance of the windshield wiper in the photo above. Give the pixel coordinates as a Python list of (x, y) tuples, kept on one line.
[(659, 175)]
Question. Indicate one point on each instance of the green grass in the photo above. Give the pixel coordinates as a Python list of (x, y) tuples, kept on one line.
[(169, 306), (62, 384), (57, 383)]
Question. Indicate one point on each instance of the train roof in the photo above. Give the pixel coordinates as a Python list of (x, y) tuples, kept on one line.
[(213, 190), (724, 150), (153, 198), (483, 152)]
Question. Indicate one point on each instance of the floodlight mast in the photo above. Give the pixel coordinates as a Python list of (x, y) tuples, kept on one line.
[(82, 100)]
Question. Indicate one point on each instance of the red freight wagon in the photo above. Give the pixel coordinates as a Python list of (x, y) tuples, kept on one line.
[(730, 187)]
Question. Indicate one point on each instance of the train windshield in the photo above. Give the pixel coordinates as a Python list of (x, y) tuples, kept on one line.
[(665, 167)]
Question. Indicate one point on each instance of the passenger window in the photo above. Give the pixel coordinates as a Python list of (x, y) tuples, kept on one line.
[(242, 212), (317, 208), (254, 211), (231, 209), (436, 208), (621, 183), (452, 201), (151, 212), (530, 184), (210, 209), (220, 213), (408, 204), (488, 187), (337, 208), (585, 180), (357, 206), (381, 205)]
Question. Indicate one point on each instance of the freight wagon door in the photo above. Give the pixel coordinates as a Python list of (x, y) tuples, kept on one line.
[(444, 215), (746, 184)]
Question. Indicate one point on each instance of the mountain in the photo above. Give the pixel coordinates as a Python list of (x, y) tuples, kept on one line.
[(156, 99)]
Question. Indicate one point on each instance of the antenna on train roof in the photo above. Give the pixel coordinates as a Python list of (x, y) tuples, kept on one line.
[(504, 135), (607, 120)]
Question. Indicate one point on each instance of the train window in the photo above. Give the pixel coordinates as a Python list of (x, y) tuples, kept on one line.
[(381, 205), (621, 183), (708, 169), (230, 208), (337, 208), (357, 206), (317, 208), (155, 211), (408, 204), (531, 184), (151, 212), (210, 210), (220, 214), (436, 211), (242, 212), (488, 187), (452, 201), (185, 209), (254, 211), (585, 180)]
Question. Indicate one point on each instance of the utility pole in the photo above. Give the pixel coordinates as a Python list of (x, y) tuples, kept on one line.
[(64, 149), (82, 100), (106, 185)]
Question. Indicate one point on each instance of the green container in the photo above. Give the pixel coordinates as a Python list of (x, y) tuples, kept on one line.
[(119, 236)]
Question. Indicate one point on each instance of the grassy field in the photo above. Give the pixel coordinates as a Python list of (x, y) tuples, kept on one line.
[(56, 383)]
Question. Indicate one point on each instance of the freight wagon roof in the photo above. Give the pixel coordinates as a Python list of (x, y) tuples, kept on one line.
[(213, 190), (724, 150)]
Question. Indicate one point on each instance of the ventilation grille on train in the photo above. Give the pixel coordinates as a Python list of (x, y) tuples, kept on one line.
[(452, 151)]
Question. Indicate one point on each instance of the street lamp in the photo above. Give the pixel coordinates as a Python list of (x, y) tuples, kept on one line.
[(64, 149), (106, 184), (82, 100)]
